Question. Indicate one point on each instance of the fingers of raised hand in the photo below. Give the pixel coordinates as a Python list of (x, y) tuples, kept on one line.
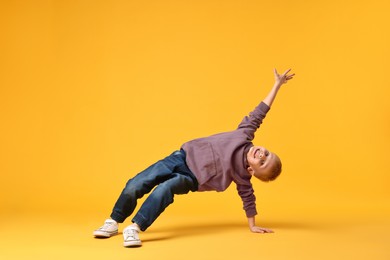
[(285, 73), (283, 78), (287, 77)]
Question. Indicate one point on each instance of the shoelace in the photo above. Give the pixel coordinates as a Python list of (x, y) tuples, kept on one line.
[(131, 233), (106, 226)]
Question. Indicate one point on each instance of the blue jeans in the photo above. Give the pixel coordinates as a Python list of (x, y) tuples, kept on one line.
[(171, 176)]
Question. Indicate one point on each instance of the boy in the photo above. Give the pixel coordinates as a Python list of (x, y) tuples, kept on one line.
[(203, 164)]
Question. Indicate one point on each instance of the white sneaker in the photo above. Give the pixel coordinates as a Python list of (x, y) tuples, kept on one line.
[(130, 236), (110, 228)]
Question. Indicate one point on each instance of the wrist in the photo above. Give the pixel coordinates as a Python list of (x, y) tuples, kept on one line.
[(251, 222), (277, 85)]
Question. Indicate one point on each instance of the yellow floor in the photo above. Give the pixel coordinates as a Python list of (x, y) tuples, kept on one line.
[(330, 233)]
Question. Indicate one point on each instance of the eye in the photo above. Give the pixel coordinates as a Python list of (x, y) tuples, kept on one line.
[(266, 153)]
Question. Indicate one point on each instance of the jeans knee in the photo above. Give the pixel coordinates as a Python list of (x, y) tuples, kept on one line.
[(130, 190), (165, 191), (133, 189)]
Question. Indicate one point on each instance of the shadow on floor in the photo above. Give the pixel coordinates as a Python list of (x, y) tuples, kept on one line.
[(175, 231)]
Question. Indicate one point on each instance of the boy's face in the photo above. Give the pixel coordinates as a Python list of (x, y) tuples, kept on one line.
[(260, 161)]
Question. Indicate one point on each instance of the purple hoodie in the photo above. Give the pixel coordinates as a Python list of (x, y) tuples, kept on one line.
[(219, 159)]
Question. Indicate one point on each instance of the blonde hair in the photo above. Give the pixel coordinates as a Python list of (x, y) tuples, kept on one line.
[(274, 171)]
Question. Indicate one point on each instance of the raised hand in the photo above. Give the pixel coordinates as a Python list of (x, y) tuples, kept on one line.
[(281, 79)]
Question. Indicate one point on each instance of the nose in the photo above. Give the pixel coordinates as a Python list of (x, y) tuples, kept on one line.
[(261, 154)]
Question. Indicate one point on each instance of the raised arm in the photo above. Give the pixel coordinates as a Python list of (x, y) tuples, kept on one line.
[(280, 79)]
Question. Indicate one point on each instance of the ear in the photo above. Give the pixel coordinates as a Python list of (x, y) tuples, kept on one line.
[(250, 170)]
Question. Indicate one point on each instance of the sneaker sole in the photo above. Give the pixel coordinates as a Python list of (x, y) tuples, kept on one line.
[(104, 234), (132, 244)]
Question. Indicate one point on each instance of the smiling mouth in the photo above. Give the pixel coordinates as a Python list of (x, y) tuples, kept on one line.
[(255, 153)]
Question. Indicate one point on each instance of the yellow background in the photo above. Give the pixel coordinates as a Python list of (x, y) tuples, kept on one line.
[(92, 92)]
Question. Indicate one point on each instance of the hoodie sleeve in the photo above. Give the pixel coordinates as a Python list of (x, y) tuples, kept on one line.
[(248, 199), (252, 122)]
